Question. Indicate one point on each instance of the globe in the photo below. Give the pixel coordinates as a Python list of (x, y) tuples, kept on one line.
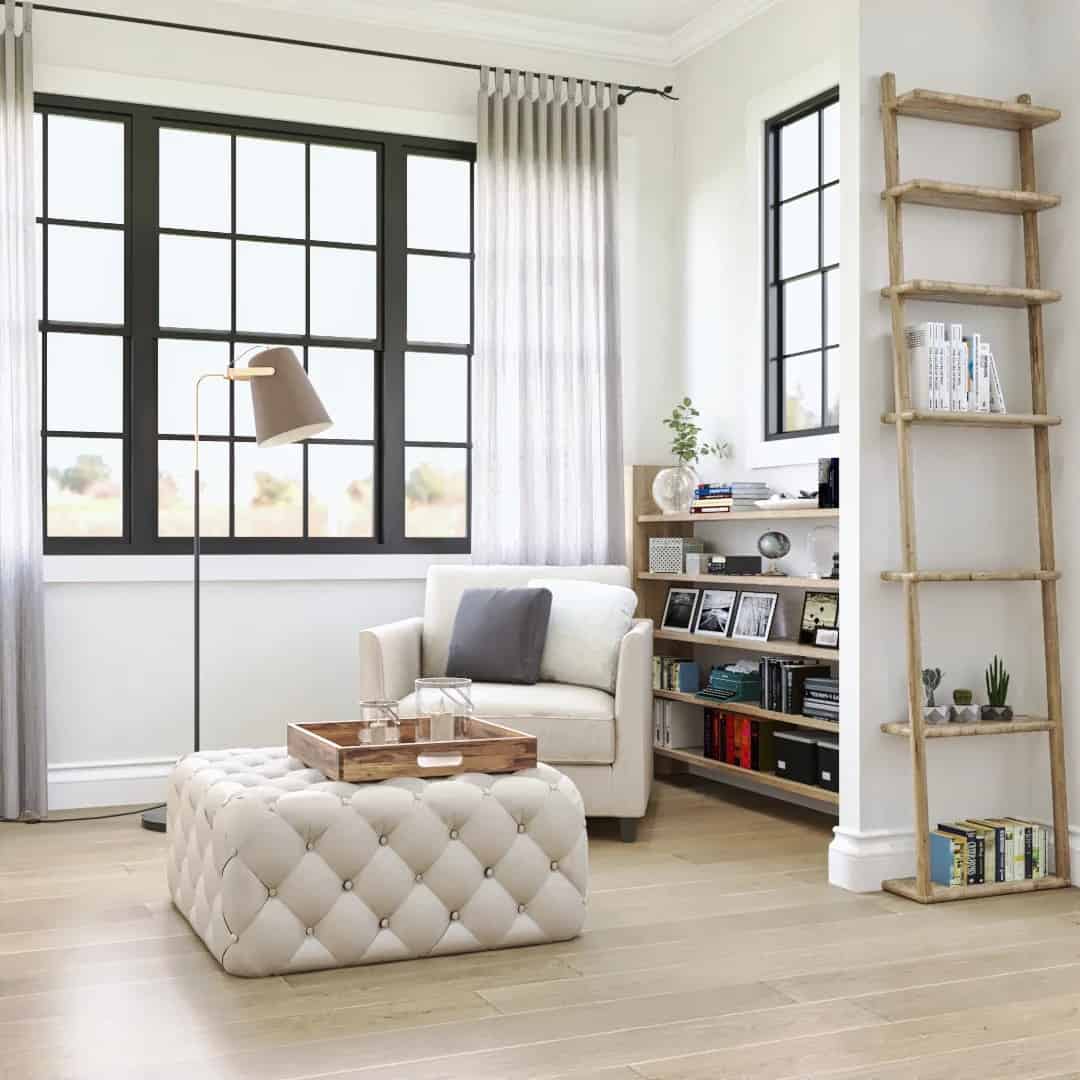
[(773, 545)]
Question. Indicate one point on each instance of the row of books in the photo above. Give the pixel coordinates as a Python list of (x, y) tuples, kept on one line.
[(821, 698), (950, 372), (783, 682), (671, 673), (738, 740), (979, 850), (726, 498)]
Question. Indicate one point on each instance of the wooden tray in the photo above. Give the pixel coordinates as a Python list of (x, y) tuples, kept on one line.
[(336, 750)]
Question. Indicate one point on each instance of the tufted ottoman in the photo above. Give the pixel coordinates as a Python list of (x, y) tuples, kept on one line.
[(280, 870)]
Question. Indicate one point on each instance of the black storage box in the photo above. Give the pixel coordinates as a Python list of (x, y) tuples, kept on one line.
[(828, 764), (796, 757)]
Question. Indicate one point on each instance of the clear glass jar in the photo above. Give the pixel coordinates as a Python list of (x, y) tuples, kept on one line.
[(448, 703), (379, 722)]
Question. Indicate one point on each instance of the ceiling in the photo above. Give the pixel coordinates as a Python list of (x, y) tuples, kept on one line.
[(641, 16)]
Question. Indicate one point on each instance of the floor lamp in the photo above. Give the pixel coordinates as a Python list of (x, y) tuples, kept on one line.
[(287, 409)]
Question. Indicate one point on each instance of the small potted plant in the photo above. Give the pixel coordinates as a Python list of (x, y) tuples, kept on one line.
[(673, 487), (933, 713), (963, 710), (997, 693)]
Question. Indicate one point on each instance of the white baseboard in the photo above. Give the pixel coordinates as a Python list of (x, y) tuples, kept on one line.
[(87, 784), (860, 862)]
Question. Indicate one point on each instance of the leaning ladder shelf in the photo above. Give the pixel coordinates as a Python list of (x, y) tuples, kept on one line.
[(1021, 117)]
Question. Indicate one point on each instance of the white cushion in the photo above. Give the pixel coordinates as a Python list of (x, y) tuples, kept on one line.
[(573, 725), (588, 622), (445, 584)]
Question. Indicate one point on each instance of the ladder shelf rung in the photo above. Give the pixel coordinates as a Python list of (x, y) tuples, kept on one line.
[(976, 111), (1019, 725), (939, 894), (971, 419), (929, 576), (956, 292), (970, 197)]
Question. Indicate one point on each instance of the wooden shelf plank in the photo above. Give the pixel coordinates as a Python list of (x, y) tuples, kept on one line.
[(971, 419), (941, 893), (970, 197), (772, 580), (777, 648), (741, 515), (955, 292), (694, 756), (970, 575), (1019, 725), (976, 111), (751, 710)]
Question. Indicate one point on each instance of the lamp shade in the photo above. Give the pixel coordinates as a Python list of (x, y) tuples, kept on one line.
[(286, 406)]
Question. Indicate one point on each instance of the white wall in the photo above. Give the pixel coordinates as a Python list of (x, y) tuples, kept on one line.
[(119, 651)]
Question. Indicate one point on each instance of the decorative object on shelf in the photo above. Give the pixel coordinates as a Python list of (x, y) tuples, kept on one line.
[(714, 612), (448, 701), (821, 611), (754, 616), (696, 562), (774, 545), (829, 483), (679, 610), (963, 711), (673, 487), (822, 543), (667, 554), (997, 692), (379, 722), (746, 565), (932, 713), (780, 501)]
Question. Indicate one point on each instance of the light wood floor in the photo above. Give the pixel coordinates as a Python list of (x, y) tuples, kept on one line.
[(714, 949)]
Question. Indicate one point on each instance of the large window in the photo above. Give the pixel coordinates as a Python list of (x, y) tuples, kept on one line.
[(802, 193), (177, 243)]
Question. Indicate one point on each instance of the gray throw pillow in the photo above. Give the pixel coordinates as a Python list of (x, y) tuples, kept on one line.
[(499, 635)]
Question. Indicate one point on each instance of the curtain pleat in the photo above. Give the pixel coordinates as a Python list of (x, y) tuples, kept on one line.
[(547, 446), (23, 791)]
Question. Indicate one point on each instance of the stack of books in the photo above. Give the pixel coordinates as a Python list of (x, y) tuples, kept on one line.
[(738, 740), (784, 681), (980, 850), (711, 499), (950, 372), (745, 494), (821, 698)]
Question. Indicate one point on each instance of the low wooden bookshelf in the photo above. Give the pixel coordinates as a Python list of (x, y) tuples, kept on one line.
[(1020, 117), (644, 522)]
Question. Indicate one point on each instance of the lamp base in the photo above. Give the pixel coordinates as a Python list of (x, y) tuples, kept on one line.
[(154, 820)]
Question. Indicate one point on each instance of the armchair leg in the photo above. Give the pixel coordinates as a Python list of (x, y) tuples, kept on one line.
[(628, 829)]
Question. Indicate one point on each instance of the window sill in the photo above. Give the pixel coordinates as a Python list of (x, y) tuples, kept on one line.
[(84, 569)]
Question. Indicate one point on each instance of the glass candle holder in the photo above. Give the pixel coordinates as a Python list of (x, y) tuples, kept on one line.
[(379, 722), (448, 701)]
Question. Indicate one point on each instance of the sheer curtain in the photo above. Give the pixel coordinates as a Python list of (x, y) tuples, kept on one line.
[(547, 457), (23, 792)]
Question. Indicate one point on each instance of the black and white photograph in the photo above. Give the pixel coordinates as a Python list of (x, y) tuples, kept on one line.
[(679, 609), (820, 611), (754, 616), (715, 611)]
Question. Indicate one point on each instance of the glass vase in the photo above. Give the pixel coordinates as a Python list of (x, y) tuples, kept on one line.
[(448, 702), (673, 489)]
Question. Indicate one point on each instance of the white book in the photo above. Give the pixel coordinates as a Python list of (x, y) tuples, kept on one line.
[(997, 395), (918, 338), (982, 378), (972, 344), (958, 398)]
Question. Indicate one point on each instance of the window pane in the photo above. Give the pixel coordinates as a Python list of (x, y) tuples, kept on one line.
[(343, 293), (194, 180), (799, 156), (832, 383), (436, 397), (435, 491), (344, 202), (85, 383), (86, 274), (86, 168), (340, 491), (180, 363), (832, 312), (831, 226), (344, 380), (438, 300), (802, 314), (176, 488), (830, 157), (270, 287), (799, 236), (270, 187), (268, 490), (439, 203), (802, 392), (194, 283), (85, 487), (39, 168)]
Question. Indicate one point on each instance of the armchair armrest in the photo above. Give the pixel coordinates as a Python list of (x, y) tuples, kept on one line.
[(633, 720), (390, 659)]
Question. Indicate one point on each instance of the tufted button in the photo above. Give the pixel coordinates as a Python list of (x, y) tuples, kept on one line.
[(418, 878), (271, 892), (310, 930), (454, 916), (453, 834), (384, 923), (521, 827), (488, 871), (554, 865), (521, 909), (310, 846), (346, 885), (384, 840), (235, 938)]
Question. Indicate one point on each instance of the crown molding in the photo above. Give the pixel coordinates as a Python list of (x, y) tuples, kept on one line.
[(711, 25)]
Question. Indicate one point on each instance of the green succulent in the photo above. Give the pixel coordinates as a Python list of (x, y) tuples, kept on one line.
[(963, 697), (997, 683)]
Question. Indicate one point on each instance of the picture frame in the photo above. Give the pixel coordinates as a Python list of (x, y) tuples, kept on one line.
[(754, 615), (715, 611), (680, 609), (821, 611), (827, 637)]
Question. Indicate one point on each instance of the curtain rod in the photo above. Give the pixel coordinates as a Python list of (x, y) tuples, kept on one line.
[(137, 20)]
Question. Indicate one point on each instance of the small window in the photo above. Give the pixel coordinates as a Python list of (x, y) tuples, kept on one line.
[(802, 200)]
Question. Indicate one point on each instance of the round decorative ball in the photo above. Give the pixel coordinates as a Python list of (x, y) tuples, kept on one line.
[(773, 545)]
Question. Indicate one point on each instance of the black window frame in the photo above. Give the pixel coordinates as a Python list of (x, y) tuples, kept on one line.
[(141, 334), (774, 354)]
